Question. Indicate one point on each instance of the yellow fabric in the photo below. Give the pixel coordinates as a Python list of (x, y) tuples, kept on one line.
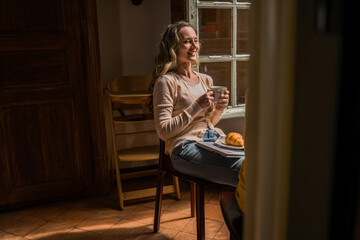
[(240, 192)]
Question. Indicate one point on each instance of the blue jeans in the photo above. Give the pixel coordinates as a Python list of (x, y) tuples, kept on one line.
[(198, 162)]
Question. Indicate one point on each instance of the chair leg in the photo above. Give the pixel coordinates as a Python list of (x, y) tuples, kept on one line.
[(112, 171), (192, 198), (200, 212), (118, 180), (176, 187), (158, 201)]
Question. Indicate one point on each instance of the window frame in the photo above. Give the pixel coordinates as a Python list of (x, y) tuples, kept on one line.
[(192, 13)]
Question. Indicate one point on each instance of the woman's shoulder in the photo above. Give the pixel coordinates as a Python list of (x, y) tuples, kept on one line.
[(170, 76), (168, 79)]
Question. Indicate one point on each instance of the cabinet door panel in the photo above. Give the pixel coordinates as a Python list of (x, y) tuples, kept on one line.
[(41, 143), (45, 124), (31, 70), (29, 16)]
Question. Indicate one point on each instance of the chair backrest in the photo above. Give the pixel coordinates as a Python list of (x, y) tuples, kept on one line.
[(136, 83), (164, 159), (123, 86)]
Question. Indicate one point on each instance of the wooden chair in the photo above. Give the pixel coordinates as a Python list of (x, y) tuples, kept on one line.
[(232, 214), (197, 189), (130, 94)]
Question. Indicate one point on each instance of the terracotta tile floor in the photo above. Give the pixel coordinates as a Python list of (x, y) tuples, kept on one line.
[(97, 218)]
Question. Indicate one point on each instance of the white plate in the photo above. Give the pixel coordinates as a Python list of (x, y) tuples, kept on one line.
[(222, 143)]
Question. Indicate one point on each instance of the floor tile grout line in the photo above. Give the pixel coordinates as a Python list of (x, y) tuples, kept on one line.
[(119, 219), (54, 216), (107, 202), (29, 232), (52, 221)]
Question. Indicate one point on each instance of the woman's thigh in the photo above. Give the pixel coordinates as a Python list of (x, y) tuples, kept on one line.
[(190, 159)]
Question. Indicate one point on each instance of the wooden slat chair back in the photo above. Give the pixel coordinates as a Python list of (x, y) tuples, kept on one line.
[(123, 94)]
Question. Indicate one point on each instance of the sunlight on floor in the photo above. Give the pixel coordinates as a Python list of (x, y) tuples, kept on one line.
[(98, 218)]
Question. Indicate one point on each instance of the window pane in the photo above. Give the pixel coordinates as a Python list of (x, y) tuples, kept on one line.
[(239, 1), (220, 73), (242, 31), (242, 77), (215, 31)]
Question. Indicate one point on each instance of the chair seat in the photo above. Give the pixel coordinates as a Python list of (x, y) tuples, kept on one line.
[(167, 166), (232, 214), (204, 183)]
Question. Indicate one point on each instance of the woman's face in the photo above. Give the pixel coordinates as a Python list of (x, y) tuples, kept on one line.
[(189, 45)]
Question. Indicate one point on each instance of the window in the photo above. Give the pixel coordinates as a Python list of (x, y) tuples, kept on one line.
[(223, 30)]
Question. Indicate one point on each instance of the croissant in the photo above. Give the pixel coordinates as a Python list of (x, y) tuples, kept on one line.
[(234, 139)]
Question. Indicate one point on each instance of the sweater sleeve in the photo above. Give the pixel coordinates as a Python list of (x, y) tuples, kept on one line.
[(167, 125), (216, 116)]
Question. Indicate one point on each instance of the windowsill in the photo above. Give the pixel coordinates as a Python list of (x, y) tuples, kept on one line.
[(234, 112)]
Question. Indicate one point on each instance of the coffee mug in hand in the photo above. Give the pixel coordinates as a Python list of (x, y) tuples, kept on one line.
[(218, 90)]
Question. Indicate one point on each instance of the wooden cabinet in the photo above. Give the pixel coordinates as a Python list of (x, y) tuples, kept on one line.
[(52, 138)]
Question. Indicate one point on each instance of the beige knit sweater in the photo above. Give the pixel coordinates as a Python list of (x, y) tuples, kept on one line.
[(177, 115)]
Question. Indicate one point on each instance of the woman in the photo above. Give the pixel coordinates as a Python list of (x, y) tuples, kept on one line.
[(184, 111)]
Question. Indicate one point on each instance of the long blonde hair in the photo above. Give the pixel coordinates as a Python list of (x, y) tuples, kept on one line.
[(166, 60)]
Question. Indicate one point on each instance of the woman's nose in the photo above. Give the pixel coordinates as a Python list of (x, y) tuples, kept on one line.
[(194, 44)]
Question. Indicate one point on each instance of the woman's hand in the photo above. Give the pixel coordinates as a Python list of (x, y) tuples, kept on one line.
[(223, 101), (205, 100)]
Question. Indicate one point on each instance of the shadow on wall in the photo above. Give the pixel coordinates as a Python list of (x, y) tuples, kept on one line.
[(232, 125), (128, 38)]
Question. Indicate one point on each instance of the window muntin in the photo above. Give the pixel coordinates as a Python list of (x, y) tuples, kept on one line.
[(223, 30)]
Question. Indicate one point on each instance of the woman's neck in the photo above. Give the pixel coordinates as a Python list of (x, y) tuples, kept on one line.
[(184, 70), (187, 74)]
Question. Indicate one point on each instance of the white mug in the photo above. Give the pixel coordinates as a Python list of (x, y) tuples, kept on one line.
[(218, 90)]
